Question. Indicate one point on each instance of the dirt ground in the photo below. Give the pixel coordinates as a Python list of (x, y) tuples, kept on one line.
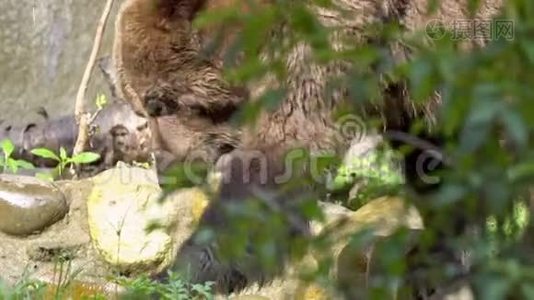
[(39, 256)]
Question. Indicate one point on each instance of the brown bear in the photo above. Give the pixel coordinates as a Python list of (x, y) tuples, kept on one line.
[(160, 72), (256, 170), (272, 171), (156, 55), (304, 119), (189, 138)]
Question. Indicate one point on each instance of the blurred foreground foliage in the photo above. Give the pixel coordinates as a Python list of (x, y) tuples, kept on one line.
[(486, 117)]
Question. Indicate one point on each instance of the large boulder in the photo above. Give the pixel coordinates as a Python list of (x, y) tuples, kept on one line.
[(131, 227), (29, 205), (351, 264)]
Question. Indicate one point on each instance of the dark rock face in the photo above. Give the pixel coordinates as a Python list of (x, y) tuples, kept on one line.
[(29, 205)]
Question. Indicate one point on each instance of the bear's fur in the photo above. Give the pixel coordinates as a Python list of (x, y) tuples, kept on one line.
[(303, 120)]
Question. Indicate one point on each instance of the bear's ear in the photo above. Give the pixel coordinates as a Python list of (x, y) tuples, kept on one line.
[(186, 9)]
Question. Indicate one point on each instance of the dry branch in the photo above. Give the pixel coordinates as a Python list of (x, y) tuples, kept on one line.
[(82, 117)]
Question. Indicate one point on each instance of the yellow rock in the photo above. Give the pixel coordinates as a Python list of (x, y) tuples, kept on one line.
[(383, 216), (120, 210), (125, 202), (200, 202), (351, 265), (314, 292)]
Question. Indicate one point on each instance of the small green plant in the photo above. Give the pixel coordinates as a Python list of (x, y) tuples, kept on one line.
[(7, 162), (63, 159), (25, 288), (63, 274), (176, 288), (101, 101), (28, 288)]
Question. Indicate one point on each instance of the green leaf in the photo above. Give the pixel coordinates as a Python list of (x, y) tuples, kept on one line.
[(271, 99), (528, 49), (185, 175), (248, 113), (493, 287), (473, 137), (311, 210), (479, 122), (521, 171), (101, 101), (7, 147), (451, 193), (486, 105), (214, 17), (45, 153), (528, 290), (252, 68), (63, 154), (323, 3), (422, 79), (515, 127), (432, 6), (24, 164), (85, 158), (12, 165), (496, 195), (473, 6), (256, 30)]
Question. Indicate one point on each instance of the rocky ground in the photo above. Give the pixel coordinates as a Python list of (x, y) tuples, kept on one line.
[(88, 231)]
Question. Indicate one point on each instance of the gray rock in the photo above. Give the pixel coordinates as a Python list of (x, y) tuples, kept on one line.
[(45, 48), (29, 205)]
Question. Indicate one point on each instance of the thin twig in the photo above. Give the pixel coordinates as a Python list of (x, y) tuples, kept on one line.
[(95, 115), (82, 118)]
